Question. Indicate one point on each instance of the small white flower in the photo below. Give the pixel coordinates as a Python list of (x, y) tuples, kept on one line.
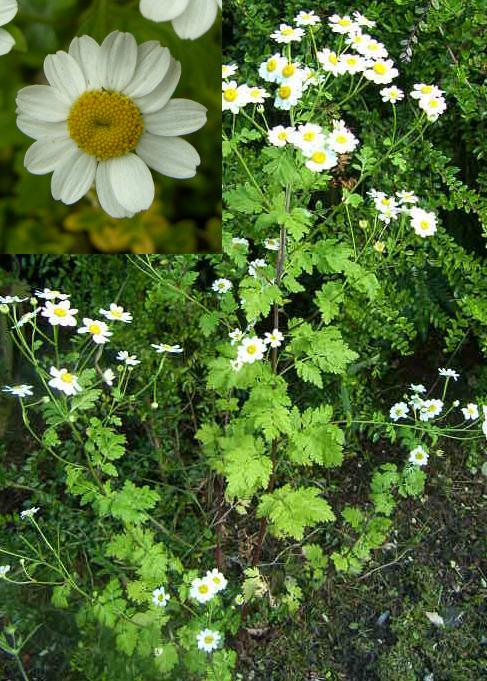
[(164, 347), (251, 350), (234, 97), (240, 241), (4, 569), (274, 339), (190, 18), (108, 377), (219, 581), (98, 330), (361, 20), (287, 34), (423, 90), (449, 373), (406, 197), (370, 47), (321, 159), (29, 512), (308, 137), (255, 95), (456, 403), (117, 314), (423, 222), (208, 640), (59, 314), (229, 70), (202, 590), (418, 388), (470, 412), (391, 94), (279, 136), (129, 360), (272, 244), (64, 381), (11, 300), (255, 265), (342, 25), (239, 599), (398, 411), (329, 61), (29, 316), (222, 285), (236, 364), (306, 19), (236, 336), (433, 106), (288, 94), (48, 294), (160, 597), (429, 409), (352, 63), (269, 69), (341, 140), (381, 72), (418, 456), (18, 390)]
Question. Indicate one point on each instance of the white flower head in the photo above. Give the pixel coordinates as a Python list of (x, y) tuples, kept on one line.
[(229, 70), (329, 61), (64, 381), (287, 34), (239, 599), (288, 94), (381, 72), (108, 377), (18, 390), (418, 456), (341, 140), (398, 411), (116, 313), (251, 350), (470, 412), (274, 338), (190, 18), (49, 294), (421, 90), (222, 285), (255, 95), (59, 314), (105, 118), (208, 640), (429, 409), (352, 63), (269, 69), (8, 9), (218, 579), (202, 590), (361, 20), (235, 336), (423, 222), (343, 25), (162, 348), (98, 330), (255, 266), (308, 137), (320, 159), (234, 97), (29, 512), (279, 136), (449, 373), (272, 244), (433, 106), (370, 47), (27, 317), (4, 569), (11, 300), (129, 360), (406, 197), (304, 18), (418, 388), (391, 94), (240, 241), (160, 597)]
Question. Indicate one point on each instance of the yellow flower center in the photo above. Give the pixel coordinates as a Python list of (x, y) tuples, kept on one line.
[(94, 328), (426, 89), (287, 31), (271, 65), (309, 136), (373, 47), (380, 68), (251, 349), (284, 92), (424, 224), (105, 124), (230, 95), (319, 157), (288, 70), (344, 22), (203, 588), (433, 103), (60, 312), (385, 202), (67, 378), (341, 138), (282, 135), (351, 61), (255, 92), (208, 640), (116, 313), (333, 58)]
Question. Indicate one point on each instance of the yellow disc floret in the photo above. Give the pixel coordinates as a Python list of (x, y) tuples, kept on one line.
[(105, 124)]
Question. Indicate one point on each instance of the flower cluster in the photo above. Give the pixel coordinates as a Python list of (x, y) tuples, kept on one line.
[(203, 590), (424, 223), (253, 348)]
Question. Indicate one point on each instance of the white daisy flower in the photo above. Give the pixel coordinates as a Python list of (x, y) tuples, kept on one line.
[(417, 388), (287, 34), (11, 300), (190, 18), (234, 97), (329, 61), (129, 360), (321, 159), (105, 118), (432, 106), (222, 285), (272, 244), (255, 95), (391, 94), (398, 411), (288, 70), (8, 9), (208, 640), (229, 70), (255, 265), (430, 409), (289, 94), (49, 294), (418, 456), (240, 241), (219, 581), (449, 373), (423, 222), (4, 569), (306, 19), (421, 90), (381, 72), (357, 40), (352, 63), (19, 390), (59, 314), (251, 350), (273, 339), (64, 381), (239, 599), (161, 348), (117, 314), (341, 140), (98, 330), (371, 48), (279, 136), (235, 336), (29, 512), (361, 20), (108, 377), (269, 69), (342, 25), (406, 197), (308, 137), (160, 597), (202, 590), (470, 412)]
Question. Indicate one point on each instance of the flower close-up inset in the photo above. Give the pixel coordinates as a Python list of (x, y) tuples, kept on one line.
[(190, 18)]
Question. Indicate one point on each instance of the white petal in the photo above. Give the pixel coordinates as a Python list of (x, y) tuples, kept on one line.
[(8, 9), (152, 65), (6, 42), (118, 57), (72, 179), (106, 195), (159, 97), (155, 10), (131, 181), (171, 156), (86, 52), (196, 19), (179, 117), (65, 75), (34, 128), (42, 102), (45, 154)]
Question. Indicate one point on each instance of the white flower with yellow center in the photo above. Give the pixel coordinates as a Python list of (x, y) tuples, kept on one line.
[(274, 338), (255, 265), (190, 18), (381, 72), (384, 203), (202, 590), (287, 34), (235, 336), (341, 140), (219, 581), (418, 456), (255, 95), (308, 137), (64, 381), (48, 294), (98, 330), (405, 197), (342, 25), (288, 70), (229, 70), (129, 360), (29, 512), (372, 49), (391, 94), (222, 285), (361, 20), (421, 90), (306, 19), (423, 222), (429, 409), (269, 69), (8, 9), (433, 106), (398, 411), (208, 640), (272, 244), (105, 118), (240, 241), (357, 40), (160, 597), (279, 136), (449, 373), (288, 94), (470, 412), (116, 313), (18, 390), (329, 61), (162, 348), (352, 63), (59, 314), (321, 159), (234, 97), (251, 350)]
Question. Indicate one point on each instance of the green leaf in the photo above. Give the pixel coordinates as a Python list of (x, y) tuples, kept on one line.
[(245, 465), (314, 439), (245, 199), (325, 349), (131, 503), (328, 299), (167, 658)]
